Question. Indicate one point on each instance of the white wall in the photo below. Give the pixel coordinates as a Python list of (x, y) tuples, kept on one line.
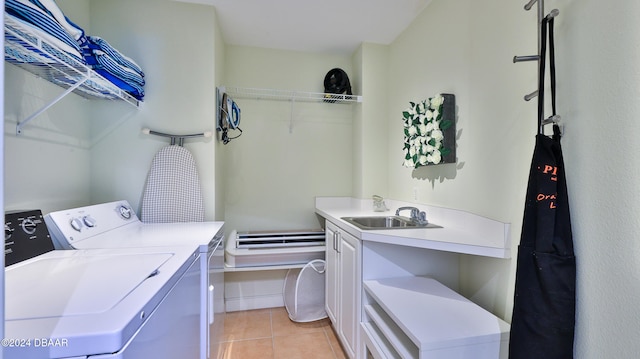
[(288, 152), (81, 152), (466, 48), (174, 43), (47, 166), (220, 160), (598, 77), (370, 143)]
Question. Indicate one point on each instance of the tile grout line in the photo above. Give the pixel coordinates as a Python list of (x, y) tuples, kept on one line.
[(274, 313), (244, 339), (326, 336), (273, 340)]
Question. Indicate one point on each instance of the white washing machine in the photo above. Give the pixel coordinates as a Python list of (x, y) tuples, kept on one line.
[(110, 303), (115, 225)]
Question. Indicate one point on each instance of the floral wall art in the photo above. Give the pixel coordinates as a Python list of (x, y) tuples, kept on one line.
[(429, 131)]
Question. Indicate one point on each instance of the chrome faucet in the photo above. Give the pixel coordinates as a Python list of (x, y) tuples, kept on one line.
[(420, 217)]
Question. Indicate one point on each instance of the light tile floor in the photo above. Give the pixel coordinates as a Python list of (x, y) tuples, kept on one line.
[(269, 333)]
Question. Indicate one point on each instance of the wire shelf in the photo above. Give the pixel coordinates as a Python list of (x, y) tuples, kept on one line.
[(24, 48), (289, 95)]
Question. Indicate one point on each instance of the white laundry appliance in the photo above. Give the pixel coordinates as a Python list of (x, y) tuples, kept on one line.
[(115, 225), (105, 303)]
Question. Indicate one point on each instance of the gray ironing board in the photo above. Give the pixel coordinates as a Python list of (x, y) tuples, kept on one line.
[(172, 192)]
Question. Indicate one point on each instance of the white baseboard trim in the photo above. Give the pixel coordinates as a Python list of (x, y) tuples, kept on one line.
[(258, 302)]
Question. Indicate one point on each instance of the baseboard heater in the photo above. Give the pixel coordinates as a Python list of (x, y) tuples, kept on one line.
[(273, 249)]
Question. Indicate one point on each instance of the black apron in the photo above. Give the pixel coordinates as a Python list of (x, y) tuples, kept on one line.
[(543, 320)]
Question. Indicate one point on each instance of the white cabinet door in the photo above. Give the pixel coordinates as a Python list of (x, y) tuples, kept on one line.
[(350, 289), (331, 273), (344, 286)]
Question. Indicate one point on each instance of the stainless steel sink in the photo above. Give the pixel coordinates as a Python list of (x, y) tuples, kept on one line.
[(386, 222)]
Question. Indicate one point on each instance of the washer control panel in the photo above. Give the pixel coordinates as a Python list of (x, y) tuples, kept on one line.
[(25, 236), (72, 225)]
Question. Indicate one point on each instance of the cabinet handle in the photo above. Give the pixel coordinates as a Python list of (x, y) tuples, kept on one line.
[(338, 242), (334, 240)]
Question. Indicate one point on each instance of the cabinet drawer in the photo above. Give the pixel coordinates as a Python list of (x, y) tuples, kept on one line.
[(387, 338)]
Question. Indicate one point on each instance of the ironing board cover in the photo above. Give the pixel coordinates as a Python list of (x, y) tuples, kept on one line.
[(172, 192)]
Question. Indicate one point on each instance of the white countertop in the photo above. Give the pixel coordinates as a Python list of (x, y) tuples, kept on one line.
[(461, 232)]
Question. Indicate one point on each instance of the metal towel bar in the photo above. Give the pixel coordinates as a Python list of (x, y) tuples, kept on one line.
[(180, 138)]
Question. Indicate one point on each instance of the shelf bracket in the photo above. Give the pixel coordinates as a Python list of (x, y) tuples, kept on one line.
[(47, 106)]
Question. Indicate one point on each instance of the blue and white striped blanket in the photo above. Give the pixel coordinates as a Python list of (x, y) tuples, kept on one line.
[(54, 11), (98, 52), (31, 14), (103, 45), (114, 66), (54, 49), (90, 50)]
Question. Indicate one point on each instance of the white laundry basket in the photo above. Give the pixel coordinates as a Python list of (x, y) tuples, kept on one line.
[(304, 292)]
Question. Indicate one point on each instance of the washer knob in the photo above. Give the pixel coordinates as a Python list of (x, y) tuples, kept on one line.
[(76, 224), (28, 226), (89, 221), (8, 231), (124, 211)]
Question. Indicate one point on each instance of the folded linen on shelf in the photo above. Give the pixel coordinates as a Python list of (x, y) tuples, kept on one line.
[(99, 53), (51, 44), (113, 65), (27, 12), (92, 50), (52, 8), (121, 59), (125, 73), (133, 89)]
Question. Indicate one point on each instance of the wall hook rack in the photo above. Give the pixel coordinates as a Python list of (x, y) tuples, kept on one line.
[(180, 138), (541, 15)]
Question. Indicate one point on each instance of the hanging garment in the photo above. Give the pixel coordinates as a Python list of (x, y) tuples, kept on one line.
[(544, 304), (172, 192)]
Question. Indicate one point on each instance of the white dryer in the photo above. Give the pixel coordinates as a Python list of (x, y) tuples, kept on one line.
[(107, 303), (115, 225)]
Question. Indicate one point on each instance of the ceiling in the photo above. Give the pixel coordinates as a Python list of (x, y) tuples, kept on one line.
[(327, 26)]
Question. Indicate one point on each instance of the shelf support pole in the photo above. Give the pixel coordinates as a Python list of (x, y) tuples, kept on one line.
[(47, 106)]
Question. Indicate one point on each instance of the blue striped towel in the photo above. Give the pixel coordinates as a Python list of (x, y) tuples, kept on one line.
[(51, 44), (135, 90), (93, 51), (108, 63), (30, 13), (115, 54), (50, 7), (114, 66)]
